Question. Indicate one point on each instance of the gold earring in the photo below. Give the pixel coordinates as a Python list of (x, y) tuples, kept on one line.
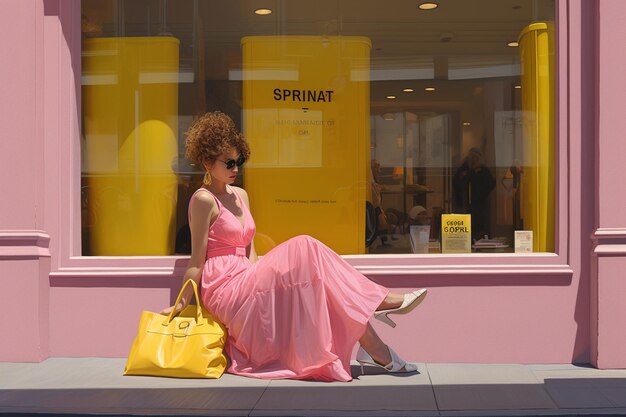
[(207, 179)]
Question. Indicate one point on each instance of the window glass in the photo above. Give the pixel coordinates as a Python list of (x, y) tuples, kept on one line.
[(369, 123)]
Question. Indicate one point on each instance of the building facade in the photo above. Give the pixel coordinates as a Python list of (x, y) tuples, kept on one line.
[(560, 305)]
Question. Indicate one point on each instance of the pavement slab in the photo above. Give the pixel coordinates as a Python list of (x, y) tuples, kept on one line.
[(83, 386), (487, 387), (374, 391), (584, 387)]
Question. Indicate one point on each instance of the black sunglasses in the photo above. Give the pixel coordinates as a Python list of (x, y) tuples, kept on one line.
[(230, 164)]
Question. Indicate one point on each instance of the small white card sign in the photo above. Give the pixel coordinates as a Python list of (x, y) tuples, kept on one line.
[(523, 241)]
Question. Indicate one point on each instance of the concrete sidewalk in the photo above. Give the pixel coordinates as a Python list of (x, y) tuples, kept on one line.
[(96, 386)]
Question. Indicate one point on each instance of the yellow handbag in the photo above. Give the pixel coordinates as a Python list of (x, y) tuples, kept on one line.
[(189, 344)]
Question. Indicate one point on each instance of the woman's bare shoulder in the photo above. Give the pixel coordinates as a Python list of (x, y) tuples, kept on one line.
[(203, 201)]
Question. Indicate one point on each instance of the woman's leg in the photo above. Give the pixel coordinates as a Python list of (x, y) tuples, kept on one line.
[(381, 353), (377, 349), (392, 300)]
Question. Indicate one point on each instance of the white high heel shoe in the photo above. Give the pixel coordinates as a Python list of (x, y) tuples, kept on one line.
[(397, 364), (411, 300)]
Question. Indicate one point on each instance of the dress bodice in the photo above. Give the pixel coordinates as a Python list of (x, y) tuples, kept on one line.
[(227, 234)]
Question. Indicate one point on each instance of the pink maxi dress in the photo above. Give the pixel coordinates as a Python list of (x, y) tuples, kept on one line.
[(296, 313)]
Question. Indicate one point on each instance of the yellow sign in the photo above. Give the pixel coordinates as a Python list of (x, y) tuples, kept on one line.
[(306, 117), (456, 233)]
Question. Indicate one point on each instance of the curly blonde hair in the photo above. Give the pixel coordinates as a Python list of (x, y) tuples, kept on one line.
[(212, 135)]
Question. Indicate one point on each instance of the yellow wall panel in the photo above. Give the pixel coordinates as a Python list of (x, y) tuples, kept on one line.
[(130, 109), (306, 117)]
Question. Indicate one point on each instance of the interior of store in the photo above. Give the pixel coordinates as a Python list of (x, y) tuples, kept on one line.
[(445, 88)]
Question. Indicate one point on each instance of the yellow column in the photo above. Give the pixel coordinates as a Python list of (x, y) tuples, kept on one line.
[(130, 113), (536, 44)]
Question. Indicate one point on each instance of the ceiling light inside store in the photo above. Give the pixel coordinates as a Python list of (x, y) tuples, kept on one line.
[(389, 116), (429, 89), (263, 12), (466, 123), (513, 44), (391, 97), (427, 6), (407, 90), (518, 87)]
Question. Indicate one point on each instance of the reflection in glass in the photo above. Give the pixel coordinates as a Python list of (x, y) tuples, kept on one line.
[(479, 114)]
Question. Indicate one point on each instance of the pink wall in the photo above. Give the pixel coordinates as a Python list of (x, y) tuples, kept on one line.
[(608, 312), (610, 153), (24, 295), (489, 309), (24, 254), (108, 311), (20, 148)]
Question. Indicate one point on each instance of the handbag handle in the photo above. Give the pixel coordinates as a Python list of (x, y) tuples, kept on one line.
[(170, 317)]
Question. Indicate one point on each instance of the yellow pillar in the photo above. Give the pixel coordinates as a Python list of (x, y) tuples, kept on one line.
[(130, 113), (536, 44)]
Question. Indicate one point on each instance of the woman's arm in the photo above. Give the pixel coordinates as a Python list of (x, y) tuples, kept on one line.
[(250, 250), (203, 210)]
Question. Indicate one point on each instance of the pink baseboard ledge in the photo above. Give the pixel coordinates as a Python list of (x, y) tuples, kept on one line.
[(468, 270), (24, 244), (378, 270), (609, 241), (610, 233)]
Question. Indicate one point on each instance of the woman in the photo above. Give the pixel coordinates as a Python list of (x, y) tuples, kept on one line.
[(298, 311)]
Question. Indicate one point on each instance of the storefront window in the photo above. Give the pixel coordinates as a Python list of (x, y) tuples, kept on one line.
[(369, 123)]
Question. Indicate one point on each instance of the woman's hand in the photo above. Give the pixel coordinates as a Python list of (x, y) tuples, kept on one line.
[(180, 307)]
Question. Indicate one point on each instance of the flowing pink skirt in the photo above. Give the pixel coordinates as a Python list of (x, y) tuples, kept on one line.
[(297, 313)]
